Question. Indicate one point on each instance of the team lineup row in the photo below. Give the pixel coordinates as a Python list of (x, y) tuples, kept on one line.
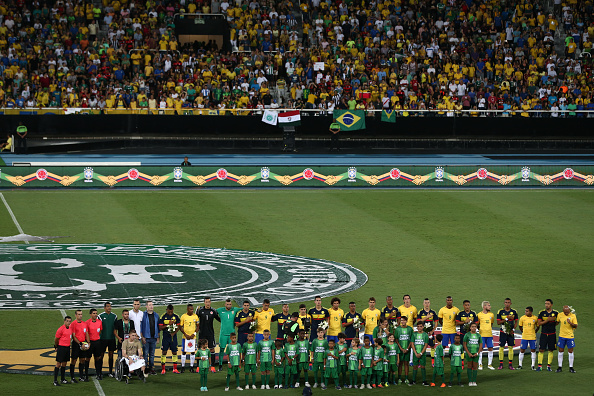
[(105, 332)]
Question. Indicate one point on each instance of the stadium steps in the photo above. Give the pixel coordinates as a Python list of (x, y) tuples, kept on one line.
[(560, 43)]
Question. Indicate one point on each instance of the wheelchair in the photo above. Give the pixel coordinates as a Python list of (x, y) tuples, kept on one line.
[(122, 372)]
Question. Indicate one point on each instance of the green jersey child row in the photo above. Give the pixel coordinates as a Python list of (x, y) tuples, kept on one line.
[(360, 365)]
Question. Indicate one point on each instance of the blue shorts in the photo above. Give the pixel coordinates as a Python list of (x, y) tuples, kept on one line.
[(525, 344), (563, 342), (370, 338), (335, 338), (259, 337), (447, 339), (488, 342)]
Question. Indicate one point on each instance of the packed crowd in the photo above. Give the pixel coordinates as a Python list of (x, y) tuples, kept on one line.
[(374, 348), (402, 55)]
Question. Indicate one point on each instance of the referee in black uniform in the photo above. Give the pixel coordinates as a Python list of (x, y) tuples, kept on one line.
[(206, 317)]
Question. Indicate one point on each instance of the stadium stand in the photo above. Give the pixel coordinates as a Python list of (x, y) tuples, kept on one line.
[(406, 55)]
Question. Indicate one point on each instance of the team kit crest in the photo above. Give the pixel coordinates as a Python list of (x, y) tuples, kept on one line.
[(88, 174), (395, 174), (568, 173), (352, 174), (178, 174), (222, 174), (265, 174), (482, 173), (525, 174), (41, 174), (308, 174), (439, 173), (133, 174)]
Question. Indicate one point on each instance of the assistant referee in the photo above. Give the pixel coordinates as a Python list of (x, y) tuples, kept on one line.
[(62, 347)]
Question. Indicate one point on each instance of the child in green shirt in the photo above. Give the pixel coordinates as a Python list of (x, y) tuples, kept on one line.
[(456, 351), (404, 335), (420, 344), (342, 348), (319, 347), (203, 362), (353, 362), (279, 364), (365, 362), (265, 358), (233, 352), (248, 356), (378, 364), (473, 346), (291, 361), (302, 357), (438, 363), (392, 352), (331, 365)]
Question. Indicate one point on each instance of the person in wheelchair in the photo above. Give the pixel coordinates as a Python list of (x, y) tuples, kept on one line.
[(132, 356)]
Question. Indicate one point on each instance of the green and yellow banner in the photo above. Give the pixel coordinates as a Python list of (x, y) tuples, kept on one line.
[(350, 120), (297, 176)]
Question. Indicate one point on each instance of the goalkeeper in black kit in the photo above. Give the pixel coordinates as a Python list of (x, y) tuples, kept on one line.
[(206, 318)]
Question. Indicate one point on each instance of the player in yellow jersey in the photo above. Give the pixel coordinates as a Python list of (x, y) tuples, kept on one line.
[(371, 316), (335, 321), (486, 319), (528, 326), (188, 322), (408, 310), (568, 324), (447, 318), (264, 317)]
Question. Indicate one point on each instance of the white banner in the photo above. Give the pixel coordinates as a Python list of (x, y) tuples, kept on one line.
[(270, 117), (319, 66), (189, 345)]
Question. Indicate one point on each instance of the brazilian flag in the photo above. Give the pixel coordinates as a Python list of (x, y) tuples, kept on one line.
[(350, 120), (388, 116)]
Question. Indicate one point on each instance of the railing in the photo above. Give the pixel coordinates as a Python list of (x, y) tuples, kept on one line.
[(199, 14), (252, 52)]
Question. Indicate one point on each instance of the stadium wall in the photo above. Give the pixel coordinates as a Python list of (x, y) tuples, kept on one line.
[(138, 125)]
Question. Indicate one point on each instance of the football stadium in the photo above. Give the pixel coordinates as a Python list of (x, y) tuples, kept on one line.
[(297, 196)]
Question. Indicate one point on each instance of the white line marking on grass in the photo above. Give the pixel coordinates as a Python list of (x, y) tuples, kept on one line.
[(16, 223), (98, 386), (63, 313)]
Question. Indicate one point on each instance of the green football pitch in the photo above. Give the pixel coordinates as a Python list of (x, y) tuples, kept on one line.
[(528, 245)]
